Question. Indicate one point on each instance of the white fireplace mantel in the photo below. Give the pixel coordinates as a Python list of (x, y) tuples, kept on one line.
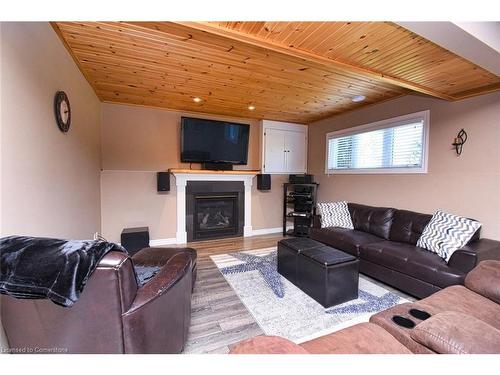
[(182, 176)]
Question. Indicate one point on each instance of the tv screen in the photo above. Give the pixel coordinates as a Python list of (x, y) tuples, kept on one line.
[(209, 141)]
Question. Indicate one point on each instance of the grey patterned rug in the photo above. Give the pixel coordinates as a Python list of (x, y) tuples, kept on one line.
[(282, 309)]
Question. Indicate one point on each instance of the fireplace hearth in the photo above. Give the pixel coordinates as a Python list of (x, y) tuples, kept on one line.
[(214, 209)]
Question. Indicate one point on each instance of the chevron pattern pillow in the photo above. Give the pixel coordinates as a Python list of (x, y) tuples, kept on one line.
[(446, 233), (335, 214)]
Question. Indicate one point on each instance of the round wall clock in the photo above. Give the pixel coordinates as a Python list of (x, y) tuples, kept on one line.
[(63, 111)]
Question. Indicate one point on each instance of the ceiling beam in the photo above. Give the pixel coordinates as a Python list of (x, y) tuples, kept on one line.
[(478, 91), (461, 42), (311, 57)]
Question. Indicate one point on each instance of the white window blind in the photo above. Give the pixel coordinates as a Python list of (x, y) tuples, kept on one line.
[(394, 145)]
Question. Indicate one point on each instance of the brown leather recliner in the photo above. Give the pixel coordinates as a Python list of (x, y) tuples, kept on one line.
[(113, 314)]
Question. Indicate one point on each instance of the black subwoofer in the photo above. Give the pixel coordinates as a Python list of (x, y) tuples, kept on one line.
[(135, 239)]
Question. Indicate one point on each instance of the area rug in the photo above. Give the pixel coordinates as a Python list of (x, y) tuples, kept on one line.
[(282, 309)]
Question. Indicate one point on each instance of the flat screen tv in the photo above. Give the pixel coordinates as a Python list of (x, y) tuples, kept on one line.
[(209, 141)]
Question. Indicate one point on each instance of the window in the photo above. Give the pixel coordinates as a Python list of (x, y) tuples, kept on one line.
[(397, 145)]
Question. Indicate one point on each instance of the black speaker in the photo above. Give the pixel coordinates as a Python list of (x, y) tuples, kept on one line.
[(301, 179), (264, 181), (163, 181)]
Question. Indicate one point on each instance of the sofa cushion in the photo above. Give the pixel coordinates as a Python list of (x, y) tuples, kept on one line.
[(454, 298), (407, 226), (456, 333), (413, 261), (427, 266), (460, 299), (374, 220), (387, 254), (484, 280), (363, 338), (347, 240), (267, 345)]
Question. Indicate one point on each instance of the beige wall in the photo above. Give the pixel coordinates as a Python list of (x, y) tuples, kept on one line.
[(129, 199), (136, 143), (139, 138), (468, 185), (267, 206), (49, 180)]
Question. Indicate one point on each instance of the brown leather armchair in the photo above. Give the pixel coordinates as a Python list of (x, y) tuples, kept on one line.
[(113, 315)]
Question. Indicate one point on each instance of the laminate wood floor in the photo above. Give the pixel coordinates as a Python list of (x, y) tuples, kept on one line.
[(218, 317)]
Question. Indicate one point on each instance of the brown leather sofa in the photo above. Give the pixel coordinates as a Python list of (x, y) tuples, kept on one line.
[(113, 314), (464, 320), (384, 239)]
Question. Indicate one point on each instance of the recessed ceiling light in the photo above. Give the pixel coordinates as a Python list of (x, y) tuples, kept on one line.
[(358, 98), (251, 107), (196, 99)]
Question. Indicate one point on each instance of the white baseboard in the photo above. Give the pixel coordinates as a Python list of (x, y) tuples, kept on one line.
[(163, 242), (260, 232), (254, 232)]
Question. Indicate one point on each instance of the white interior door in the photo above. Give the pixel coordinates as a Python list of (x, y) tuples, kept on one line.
[(295, 147), (274, 151)]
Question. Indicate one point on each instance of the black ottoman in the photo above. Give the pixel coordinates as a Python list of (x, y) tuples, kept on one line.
[(326, 274), (288, 251)]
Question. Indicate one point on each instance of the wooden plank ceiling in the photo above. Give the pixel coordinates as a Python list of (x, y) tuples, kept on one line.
[(289, 71)]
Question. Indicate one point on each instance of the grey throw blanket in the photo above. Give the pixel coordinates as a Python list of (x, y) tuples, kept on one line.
[(34, 267)]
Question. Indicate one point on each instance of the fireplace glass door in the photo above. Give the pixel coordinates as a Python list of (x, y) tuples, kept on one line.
[(215, 216)]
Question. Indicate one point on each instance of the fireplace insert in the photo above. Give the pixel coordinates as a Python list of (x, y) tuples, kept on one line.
[(215, 215), (214, 209)]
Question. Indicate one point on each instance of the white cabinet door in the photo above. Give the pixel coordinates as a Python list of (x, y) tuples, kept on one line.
[(274, 151), (284, 147), (295, 151)]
